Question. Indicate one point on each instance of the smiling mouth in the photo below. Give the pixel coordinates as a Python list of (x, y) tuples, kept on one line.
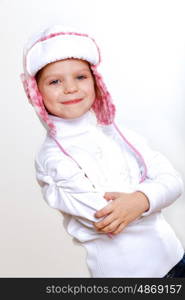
[(72, 101)]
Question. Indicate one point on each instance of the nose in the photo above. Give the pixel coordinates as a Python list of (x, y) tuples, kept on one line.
[(70, 87)]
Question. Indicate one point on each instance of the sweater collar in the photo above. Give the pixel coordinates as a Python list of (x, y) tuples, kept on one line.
[(73, 127)]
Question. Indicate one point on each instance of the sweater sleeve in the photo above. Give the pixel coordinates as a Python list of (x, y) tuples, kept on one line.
[(163, 184), (65, 187)]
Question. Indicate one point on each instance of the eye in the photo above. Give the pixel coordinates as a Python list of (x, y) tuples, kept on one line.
[(81, 77), (54, 82)]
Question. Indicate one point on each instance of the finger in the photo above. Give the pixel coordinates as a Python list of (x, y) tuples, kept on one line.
[(106, 221), (119, 229), (111, 195), (111, 227), (104, 211)]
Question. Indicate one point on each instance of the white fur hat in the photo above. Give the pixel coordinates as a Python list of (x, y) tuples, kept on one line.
[(57, 43)]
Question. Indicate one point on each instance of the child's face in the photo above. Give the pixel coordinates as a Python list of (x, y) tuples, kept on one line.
[(67, 88)]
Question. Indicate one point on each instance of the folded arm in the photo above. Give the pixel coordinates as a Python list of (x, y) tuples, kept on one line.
[(65, 187), (162, 186)]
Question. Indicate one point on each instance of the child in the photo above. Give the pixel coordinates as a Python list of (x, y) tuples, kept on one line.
[(110, 186)]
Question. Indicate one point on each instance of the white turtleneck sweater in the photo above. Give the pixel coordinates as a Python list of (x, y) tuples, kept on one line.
[(103, 162)]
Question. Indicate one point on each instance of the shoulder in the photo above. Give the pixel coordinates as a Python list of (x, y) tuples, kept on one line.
[(130, 136), (47, 150), (139, 144), (52, 161)]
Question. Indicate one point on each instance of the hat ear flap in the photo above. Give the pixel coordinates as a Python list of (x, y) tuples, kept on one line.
[(35, 98), (25, 85), (102, 106)]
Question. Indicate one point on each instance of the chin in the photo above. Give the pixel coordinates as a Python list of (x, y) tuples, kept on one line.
[(74, 115)]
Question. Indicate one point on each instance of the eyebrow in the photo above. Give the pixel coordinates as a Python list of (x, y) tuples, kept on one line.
[(59, 74)]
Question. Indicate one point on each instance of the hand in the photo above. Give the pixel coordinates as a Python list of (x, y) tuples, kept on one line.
[(125, 208)]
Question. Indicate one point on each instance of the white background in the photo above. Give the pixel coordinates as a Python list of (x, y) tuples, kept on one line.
[(143, 51)]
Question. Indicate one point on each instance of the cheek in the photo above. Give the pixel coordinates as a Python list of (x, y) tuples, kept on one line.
[(91, 91), (49, 95)]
